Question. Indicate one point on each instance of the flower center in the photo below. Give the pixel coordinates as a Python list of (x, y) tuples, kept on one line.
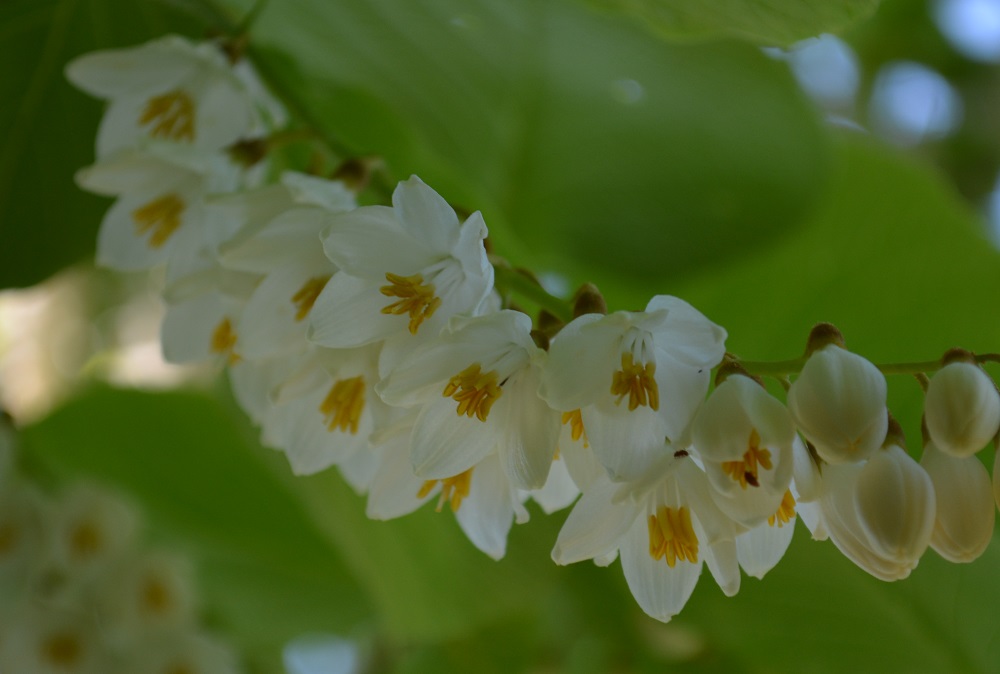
[(786, 511), (224, 341), (755, 458), (9, 535), (160, 216), (155, 596), (171, 114), (475, 391), (416, 298), (305, 297), (575, 421), (453, 490), (636, 381), (85, 540), (344, 404), (671, 536), (62, 649)]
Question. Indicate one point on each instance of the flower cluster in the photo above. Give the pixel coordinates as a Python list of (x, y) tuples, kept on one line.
[(79, 594), (373, 338)]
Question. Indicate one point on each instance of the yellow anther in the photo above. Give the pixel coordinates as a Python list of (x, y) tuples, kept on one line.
[(453, 490), (85, 540), (416, 298), (671, 536), (62, 650), (636, 380), (224, 341), (745, 472), (575, 421), (786, 511), (160, 216), (305, 297), (475, 391), (171, 114), (344, 404)]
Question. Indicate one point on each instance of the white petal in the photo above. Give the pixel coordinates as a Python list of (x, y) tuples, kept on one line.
[(595, 526), (348, 314), (626, 442), (582, 361), (487, 512), (559, 491), (270, 324), (962, 409), (661, 591), (368, 242), (156, 66), (446, 443), (687, 335), (682, 391), (359, 469), (395, 487), (965, 511), (425, 214), (761, 548), (722, 562), (530, 431)]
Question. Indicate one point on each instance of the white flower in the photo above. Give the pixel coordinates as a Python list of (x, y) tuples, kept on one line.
[(664, 528), (405, 271), (477, 386), (92, 530), (744, 437), (54, 639), (635, 377), (168, 89), (962, 409), (839, 404), (963, 526)]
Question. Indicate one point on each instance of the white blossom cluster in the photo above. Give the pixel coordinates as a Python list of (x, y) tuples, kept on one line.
[(80, 594), (372, 338)]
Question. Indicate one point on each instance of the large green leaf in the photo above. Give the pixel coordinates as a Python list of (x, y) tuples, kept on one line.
[(767, 22), (575, 133), (49, 127), (267, 573)]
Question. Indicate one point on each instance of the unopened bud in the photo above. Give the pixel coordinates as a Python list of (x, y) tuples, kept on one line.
[(965, 513), (961, 408), (822, 335), (588, 300)]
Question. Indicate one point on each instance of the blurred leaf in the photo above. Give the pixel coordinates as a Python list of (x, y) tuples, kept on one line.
[(49, 127), (267, 573), (767, 22), (576, 134)]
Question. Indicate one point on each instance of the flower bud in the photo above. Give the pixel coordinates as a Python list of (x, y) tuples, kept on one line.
[(896, 506), (965, 514), (962, 409), (838, 402)]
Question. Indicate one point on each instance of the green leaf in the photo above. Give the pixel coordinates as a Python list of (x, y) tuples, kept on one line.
[(767, 22), (267, 573), (49, 127), (578, 135)]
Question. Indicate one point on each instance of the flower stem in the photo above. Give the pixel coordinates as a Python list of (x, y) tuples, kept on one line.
[(509, 280)]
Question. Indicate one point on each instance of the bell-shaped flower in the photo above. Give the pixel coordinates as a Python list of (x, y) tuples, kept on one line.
[(744, 437), (664, 528), (839, 403), (635, 377), (168, 89), (961, 409), (477, 387), (405, 271), (482, 498), (965, 516)]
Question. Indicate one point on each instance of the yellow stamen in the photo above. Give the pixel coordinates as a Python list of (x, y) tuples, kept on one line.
[(575, 421), (416, 298), (224, 341), (671, 536), (305, 297), (475, 391), (453, 490), (344, 404), (172, 116), (9, 535), (786, 511), (156, 597), (85, 539), (160, 216), (637, 382), (62, 649), (755, 458)]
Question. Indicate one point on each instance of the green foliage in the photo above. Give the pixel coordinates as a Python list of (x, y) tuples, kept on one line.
[(766, 22)]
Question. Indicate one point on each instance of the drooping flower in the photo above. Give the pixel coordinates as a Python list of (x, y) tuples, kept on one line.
[(477, 388), (962, 409), (405, 271), (965, 516), (169, 89), (635, 377), (839, 403)]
